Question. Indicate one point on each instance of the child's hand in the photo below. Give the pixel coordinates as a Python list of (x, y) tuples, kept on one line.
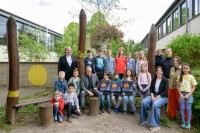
[(182, 97), (56, 103), (187, 96), (78, 110)]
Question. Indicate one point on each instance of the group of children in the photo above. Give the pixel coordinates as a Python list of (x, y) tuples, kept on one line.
[(115, 70)]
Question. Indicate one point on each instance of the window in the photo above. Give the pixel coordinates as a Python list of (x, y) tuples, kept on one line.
[(176, 20), (183, 13), (169, 25), (189, 9), (164, 28), (159, 33), (196, 7), (3, 31)]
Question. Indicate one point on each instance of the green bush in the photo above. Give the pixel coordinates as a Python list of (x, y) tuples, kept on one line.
[(196, 104), (187, 47)]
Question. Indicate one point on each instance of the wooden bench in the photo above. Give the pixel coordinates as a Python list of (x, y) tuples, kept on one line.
[(29, 102)]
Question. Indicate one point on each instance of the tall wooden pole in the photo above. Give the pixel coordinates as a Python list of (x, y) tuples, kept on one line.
[(81, 42), (151, 50), (13, 56)]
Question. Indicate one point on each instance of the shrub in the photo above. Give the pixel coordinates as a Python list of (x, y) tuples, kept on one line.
[(187, 47), (196, 104)]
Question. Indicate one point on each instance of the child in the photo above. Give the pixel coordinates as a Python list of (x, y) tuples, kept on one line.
[(118, 95), (159, 57), (186, 87), (120, 63), (129, 76), (130, 63), (88, 61), (144, 81), (136, 57), (99, 64), (61, 84), (142, 60), (105, 95), (58, 106), (110, 64), (71, 102), (76, 80)]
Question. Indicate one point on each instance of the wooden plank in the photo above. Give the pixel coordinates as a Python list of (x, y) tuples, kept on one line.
[(32, 101)]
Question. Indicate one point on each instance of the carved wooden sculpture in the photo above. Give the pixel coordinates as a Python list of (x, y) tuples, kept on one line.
[(13, 56), (151, 50), (81, 42)]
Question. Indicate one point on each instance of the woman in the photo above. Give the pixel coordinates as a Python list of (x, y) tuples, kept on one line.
[(158, 97), (173, 101)]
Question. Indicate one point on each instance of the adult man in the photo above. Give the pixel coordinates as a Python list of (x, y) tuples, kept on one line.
[(67, 63), (89, 84), (167, 63)]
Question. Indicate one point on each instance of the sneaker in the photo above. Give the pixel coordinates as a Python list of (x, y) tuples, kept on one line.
[(187, 126), (142, 123), (154, 128), (102, 110), (115, 110), (124, 113), (183, 125), (109, 111), (132, 112), (69, 120)]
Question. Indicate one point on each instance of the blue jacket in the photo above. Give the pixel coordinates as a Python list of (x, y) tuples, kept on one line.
[(60, 85)]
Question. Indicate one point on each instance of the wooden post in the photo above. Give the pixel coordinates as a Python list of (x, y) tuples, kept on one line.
[(81, 42), (94, 106), (46, 114), (13, 57), (151, 50)]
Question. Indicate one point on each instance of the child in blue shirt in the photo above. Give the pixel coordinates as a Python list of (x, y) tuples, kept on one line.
[(118, 96), (61, 84), (105, 95)]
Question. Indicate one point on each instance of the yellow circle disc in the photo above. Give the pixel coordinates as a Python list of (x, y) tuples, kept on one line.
[(37, 75)]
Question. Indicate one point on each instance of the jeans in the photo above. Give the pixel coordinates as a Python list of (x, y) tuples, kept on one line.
[(56, 114), (83, 94), (71, 109), (103, 96), (146, 104), (116, 104), (129, 99)]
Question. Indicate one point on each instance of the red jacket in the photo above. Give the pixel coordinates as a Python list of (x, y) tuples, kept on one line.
[(120, 64), (61, 105)]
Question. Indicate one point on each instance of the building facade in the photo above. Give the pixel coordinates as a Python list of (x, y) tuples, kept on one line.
[(182, 17), (42, 34)]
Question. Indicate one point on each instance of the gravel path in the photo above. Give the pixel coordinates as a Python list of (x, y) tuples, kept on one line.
[(105, 123)]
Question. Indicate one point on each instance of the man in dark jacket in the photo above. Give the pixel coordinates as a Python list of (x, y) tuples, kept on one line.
[(167, 63), (67, 63)]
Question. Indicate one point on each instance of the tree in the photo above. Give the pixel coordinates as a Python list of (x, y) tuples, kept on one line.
[(30, 50), (103, 35), (70, 38)]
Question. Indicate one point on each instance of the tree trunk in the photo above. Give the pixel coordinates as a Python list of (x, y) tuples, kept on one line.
[(46, 114), (94, 106)]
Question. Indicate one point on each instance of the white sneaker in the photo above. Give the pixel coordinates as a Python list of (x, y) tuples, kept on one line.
[(154, 128)]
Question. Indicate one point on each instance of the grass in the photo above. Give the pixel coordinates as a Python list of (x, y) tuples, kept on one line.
[(26, 115)]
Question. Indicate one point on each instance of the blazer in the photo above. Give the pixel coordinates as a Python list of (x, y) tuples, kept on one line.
[(163, 88), (85, 82), (64, 66)]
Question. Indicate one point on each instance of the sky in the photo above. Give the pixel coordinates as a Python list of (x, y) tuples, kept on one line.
[(57, 14)]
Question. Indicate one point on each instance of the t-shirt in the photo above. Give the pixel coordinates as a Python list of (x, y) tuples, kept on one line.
[(187, 82)]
